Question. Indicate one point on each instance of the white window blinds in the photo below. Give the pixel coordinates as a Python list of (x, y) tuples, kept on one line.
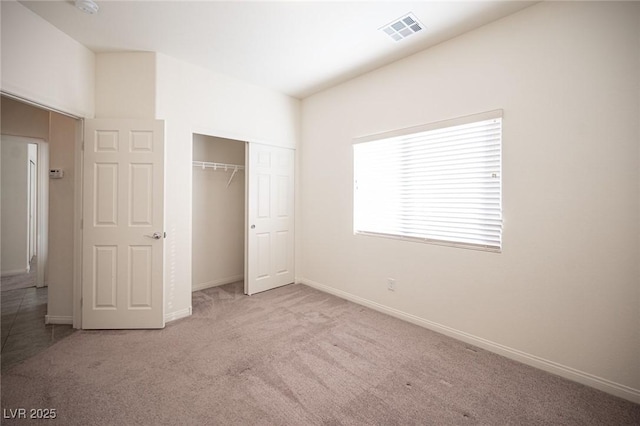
[(441, 185)]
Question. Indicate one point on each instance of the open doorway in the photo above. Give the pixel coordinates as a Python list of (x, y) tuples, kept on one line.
[(244, 234), (19, 211), (46, 138), (218, 213)]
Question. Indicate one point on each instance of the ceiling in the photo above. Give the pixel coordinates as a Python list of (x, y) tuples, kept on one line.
[(293, 47)]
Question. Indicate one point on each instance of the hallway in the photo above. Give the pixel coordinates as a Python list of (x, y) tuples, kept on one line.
[(24, 332), (13, 282)]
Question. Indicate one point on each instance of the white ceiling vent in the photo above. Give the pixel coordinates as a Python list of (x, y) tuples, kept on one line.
[(403, 27)]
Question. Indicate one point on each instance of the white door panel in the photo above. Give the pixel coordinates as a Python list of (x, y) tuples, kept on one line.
[(122, 278), (270, 205)]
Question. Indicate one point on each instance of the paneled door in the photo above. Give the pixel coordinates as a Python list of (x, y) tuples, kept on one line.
[(270, 214), (123, 237)]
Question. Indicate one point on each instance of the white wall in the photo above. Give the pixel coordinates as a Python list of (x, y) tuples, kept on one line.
[(224, 106), (44, 65), (218, 214), (564, 293), (15, 227), (193, 100)]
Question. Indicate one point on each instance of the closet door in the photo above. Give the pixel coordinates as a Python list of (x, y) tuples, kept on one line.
[(270, 211)]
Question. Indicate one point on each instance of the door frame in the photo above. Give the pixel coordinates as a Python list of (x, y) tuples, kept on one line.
[(239, 139), (77, 223), (42, 211), (33, 206), (217, 133), (43, 202)]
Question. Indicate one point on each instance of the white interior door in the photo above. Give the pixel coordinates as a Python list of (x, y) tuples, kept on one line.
[(123, 238), (270, 214)]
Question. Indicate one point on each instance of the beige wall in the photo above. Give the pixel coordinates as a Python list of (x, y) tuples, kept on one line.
[(125, 85), (218, 214), (62, 139), (20, 119), (15, 171), (564, 293)]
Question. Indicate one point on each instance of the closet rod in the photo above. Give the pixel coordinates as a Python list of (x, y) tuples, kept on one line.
[(219, 166)]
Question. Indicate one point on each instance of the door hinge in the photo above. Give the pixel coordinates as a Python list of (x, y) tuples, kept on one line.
[(82, 146), (165, 235), (81, 302), (81, 223)]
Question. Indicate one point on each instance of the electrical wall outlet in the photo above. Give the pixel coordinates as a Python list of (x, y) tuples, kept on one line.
[(391, 284)]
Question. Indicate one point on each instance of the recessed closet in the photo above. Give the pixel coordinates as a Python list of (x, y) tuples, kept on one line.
[(218, 211)]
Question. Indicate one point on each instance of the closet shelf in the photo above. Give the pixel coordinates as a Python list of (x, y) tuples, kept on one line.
[(234, 168)]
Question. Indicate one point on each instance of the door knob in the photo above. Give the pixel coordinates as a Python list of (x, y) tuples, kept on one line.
[(155, 236)]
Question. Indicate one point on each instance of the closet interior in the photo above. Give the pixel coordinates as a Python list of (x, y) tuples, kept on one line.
[(218, 211)]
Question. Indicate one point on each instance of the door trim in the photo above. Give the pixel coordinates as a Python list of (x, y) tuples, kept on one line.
[(77, 224), (42, 197), (77, 205)]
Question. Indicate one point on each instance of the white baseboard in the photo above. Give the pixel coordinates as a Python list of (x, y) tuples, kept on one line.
[(58, 319), (573, 374), (12, 272), (215, 283), (183, 313)]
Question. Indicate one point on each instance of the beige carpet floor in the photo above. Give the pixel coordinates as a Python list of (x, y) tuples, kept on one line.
[(293, 356)]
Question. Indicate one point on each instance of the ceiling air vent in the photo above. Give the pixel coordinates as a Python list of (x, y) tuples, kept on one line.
[(403, 27)]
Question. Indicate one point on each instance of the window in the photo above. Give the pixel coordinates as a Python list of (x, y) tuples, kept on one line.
[(439, 183)]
